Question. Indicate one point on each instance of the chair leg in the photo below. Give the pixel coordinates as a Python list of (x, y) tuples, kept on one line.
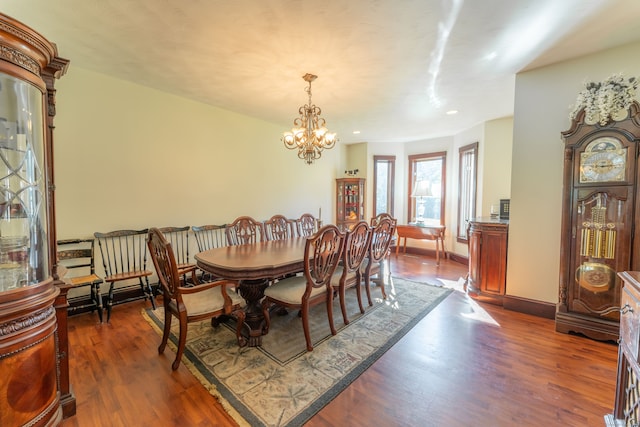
[(359, 291), (109, 301), (267, 316), (97, 298), (305, 326), (343, 303), (166, 331), (148, 291), (381, 284), (182, 340), (329, 303), (367, 287), (385, 274)]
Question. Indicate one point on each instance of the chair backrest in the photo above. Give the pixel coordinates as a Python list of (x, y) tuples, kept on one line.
[(210, 236), (179, 239), (306, 225), (278, 227), (243, 230), (322, 254), (382, 235), (164, 261), (77, 256), (376, 220), (356, 246), (123, 251)]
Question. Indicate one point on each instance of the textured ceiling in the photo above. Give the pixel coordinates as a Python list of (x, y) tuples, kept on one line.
[(390, 69)]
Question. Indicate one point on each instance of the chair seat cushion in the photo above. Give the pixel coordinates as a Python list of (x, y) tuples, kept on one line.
[(375, 268), (335, 279), (208, 300), (290, 290)]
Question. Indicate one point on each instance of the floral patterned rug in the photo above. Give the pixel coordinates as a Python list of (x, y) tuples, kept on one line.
[(280, 383)]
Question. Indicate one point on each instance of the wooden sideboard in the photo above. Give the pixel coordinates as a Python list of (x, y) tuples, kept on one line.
[(626, 410), (487, 277), (422, 232)]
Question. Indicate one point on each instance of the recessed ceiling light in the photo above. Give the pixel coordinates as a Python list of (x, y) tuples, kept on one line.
[(356, 132), (452, 112)]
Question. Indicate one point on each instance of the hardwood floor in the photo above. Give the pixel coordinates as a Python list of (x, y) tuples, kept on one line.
[(465, 363)]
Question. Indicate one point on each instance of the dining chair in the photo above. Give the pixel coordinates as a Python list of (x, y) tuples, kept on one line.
[(278, 227), (322, 253), (190, 304), (78, 258), (243, 230), (376, 220), (306, 225), (179, 239), (124, 258), (376, 263), (349, 273), (210, 236)]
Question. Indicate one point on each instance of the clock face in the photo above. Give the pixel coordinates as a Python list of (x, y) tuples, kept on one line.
[(604, 160)]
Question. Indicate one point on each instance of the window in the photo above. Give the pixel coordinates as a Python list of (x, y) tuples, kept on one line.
[(427, 188), (467, 188), (383, 184)]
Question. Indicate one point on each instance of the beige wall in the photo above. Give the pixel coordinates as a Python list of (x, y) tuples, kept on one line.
[(127, 156), (495, 156), (543, 101)]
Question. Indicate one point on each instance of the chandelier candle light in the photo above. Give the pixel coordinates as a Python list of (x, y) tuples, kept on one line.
[(309, 134)]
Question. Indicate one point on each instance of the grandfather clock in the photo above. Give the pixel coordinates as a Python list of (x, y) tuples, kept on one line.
[(599, 223)]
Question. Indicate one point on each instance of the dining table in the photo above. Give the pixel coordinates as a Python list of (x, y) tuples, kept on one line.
[(253, 266)]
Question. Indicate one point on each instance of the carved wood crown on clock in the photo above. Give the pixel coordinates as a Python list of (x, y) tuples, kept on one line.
[(598, 223)]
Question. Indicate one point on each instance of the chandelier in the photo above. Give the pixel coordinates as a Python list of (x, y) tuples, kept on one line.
[(309, 134)]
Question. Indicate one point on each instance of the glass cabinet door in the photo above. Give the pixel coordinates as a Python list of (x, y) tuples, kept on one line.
[(23, 227)]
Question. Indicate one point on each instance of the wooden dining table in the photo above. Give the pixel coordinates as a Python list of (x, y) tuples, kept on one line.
[(253, 266)]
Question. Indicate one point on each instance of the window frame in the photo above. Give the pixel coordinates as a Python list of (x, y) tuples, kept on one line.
[(466, 189), (391, 160), (411, 202)]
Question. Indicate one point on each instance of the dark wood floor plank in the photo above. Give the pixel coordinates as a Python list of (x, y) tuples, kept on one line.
[(466, 363)]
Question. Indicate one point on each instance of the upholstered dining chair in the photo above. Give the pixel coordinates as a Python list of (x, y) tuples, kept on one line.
[(321, 256), (278, 227), (244, 230), (349, 273), (190, 304), (376, 263), (376, 219), (306, 225)]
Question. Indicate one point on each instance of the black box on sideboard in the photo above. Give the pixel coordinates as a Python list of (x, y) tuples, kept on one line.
[(504, 208)]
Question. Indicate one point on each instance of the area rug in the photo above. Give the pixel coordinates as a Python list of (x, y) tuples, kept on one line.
[(280, 383)]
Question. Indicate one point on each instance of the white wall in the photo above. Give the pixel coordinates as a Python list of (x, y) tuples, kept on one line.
[(495, 156), (127, 156), (543, 101)]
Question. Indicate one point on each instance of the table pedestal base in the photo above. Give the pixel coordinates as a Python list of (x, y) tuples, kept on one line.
[(253, 291)]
